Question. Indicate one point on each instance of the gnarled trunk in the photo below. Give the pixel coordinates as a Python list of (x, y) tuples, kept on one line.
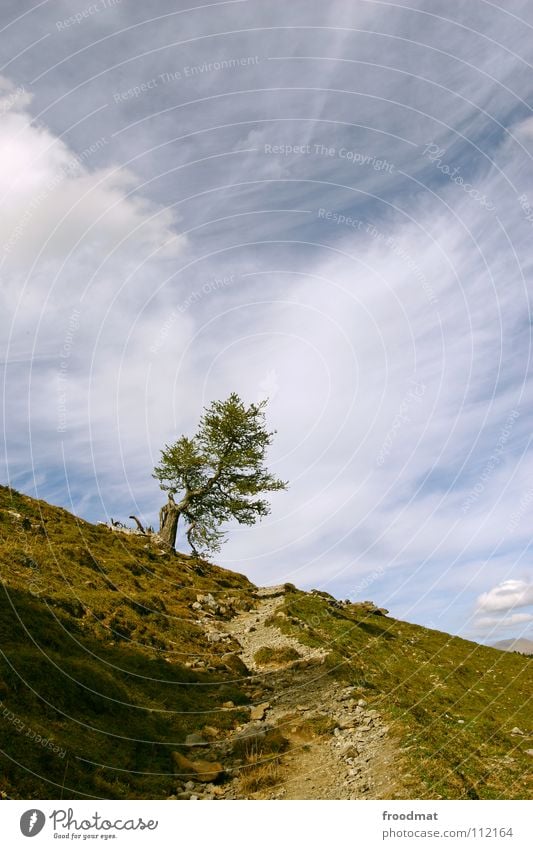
[(169, 516)]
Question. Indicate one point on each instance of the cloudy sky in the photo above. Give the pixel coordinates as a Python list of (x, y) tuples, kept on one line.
[(329, 204)]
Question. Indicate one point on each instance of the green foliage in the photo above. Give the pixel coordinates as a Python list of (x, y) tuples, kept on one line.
[(219, 474)]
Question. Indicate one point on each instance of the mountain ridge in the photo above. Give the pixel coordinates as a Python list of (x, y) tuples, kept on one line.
[(519, 644)]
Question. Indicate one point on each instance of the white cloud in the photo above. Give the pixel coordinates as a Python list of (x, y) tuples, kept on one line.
[(507, 596), (12, 97), (524, 129), (62, 209), (496, 623)]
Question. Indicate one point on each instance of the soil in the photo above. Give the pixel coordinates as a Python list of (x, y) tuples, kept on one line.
[(339, 748)]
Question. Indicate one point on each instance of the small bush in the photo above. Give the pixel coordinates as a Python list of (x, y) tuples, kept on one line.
[(266, 656), (258, 745)]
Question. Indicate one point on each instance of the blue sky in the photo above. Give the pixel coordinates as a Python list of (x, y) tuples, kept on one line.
[(327, 204)]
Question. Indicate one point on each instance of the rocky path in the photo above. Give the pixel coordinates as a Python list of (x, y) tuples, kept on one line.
[(339, 747)]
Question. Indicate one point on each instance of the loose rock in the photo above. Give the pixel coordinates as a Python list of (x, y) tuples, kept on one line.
[(204, 771), (258, 711)]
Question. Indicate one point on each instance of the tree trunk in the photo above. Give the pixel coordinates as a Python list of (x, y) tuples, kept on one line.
[(169, 516)]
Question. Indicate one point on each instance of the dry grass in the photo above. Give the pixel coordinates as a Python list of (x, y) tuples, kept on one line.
[(261, 773)]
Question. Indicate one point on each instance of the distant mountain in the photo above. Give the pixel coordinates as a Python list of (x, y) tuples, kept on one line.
[(522, 645)]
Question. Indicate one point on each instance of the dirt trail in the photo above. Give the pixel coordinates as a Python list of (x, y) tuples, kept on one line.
[(339, 748)]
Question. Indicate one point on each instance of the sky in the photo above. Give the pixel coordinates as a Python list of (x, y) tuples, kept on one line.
[(326, 204)]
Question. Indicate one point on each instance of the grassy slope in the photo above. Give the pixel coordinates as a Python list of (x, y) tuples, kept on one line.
[(96, 631), (452, 703)]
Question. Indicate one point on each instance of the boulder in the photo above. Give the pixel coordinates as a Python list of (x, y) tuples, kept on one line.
[(257, 712), (204, 771), (233, 663), (218, 637), (210, 731), (206, 599)]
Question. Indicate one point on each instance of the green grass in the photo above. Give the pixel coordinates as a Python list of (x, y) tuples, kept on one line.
[(95, 634), (104, 671), (452, 703)]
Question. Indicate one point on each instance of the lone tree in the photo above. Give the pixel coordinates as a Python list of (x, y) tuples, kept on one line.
[(216, 475)]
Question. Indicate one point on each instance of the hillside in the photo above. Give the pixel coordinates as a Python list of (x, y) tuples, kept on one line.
[(523, 645), (128, 672)]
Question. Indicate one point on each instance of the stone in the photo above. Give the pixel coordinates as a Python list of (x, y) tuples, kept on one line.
[(362, 703), (529, 752), (214, 637), (196, 605), (516, 730), (228, 705), (204, 771), (233, 663), (346, 722), (195, 740), (250, 732), (189, 785), (210, 731), (257, 712), (351, 752), (346, 693)]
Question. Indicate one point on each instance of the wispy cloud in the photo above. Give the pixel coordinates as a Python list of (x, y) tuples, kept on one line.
[(131, 203)]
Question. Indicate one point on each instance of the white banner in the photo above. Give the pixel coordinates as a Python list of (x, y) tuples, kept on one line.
[(268, 825)]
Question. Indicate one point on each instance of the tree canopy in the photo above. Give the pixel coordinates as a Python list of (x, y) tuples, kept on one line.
[(218, 475)]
